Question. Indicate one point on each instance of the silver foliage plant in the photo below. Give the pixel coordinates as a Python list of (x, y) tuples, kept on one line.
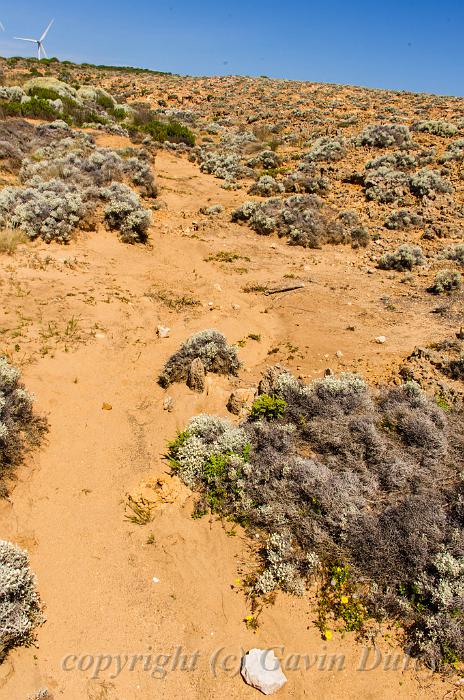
[(370, 479), (19, 426), (210, 346), (20, 606), (64, 182)]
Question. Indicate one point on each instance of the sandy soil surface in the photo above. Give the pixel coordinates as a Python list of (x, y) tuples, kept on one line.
[(81, 322)]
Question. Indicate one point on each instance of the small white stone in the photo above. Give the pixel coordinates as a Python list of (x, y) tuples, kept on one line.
[(380, 339), (155, 580), (339, 354), (261, 669), (163, 331)]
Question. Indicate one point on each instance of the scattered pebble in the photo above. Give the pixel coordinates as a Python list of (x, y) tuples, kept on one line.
[(168, 403), (380, 339), (106, 406), (163, 331)]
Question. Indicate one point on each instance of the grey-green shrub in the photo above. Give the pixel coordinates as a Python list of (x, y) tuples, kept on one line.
[(210, 346), (327, 150), (399, 220), (446, 281), (20, 607), (456, 253), (406, 257), (436, 126), (19, 426), (428, 183), (385, 136), (346, 476)]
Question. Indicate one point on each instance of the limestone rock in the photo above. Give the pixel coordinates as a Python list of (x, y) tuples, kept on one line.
[(196, 376), (261, 669), (239, 399)]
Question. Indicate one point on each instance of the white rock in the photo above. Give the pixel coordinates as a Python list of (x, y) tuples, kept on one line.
[(339, 354), (163, 331), (261, 669), (155, 580), (380, 339)]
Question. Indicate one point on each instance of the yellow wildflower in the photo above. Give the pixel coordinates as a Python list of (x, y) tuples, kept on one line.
[(328, 634), (344, 599)]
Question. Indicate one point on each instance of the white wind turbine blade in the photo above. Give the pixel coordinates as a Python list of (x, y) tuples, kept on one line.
[(46, 31), (2, 27), (21, 38), (43, 50)]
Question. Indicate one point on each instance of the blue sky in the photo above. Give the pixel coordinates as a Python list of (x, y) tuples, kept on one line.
[(408, 44)]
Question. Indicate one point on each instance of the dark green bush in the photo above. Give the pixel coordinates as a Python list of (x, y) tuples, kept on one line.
[(268, 407), (172, 131)]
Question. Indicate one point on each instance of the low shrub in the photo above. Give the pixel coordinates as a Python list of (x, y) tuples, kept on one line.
[(402, 219), (385, 136), (454, 151), (446, 281), (266, 186), (406, 257), (20, 428), (385, 185), (20, 607), (171, 131), (210, 347), (50, 210), (327, 150), (125, 214), (302, 218), (357, 487), (436, 127), (267, 407), (456, 253), (428, 183)]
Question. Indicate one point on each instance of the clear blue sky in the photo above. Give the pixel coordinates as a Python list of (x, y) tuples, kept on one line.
[(403, 44)]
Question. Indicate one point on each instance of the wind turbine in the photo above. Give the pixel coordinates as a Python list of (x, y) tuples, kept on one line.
[(2, 27), (39, 42)]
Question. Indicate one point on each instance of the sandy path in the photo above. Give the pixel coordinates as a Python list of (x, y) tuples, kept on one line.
[(94, 568)]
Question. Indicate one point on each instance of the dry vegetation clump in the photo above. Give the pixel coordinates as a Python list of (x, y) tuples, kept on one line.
[(210, 347), (20, 607), (10, 239), (363, 487), (19, 426), (302, 218)]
